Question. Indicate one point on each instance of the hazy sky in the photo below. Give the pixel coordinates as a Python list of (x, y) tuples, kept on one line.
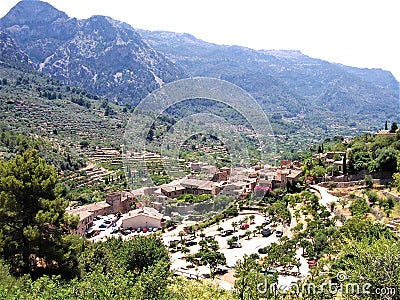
[(356, 33)]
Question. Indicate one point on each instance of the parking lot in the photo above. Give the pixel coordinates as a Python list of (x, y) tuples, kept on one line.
[(107, 226), (248, 245)]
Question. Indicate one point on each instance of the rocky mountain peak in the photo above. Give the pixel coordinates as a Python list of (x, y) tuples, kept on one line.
[(38, 28), (105, 56), (28, 12), (109, 30)]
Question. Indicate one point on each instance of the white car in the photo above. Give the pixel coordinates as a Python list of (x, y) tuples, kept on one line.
[(237, 245)]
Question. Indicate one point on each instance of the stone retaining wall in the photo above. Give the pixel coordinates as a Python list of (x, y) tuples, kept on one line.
[(347, 184), (396, 197)]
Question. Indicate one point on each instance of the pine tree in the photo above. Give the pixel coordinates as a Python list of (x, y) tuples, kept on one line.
[(33, 220)]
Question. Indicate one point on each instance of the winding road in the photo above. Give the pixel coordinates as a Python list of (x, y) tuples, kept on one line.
[(326, 197)]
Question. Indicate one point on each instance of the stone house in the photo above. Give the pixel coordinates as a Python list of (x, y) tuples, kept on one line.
[(121, 201)]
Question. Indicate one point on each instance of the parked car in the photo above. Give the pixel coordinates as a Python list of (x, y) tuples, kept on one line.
[(270, 272), (227, 232), (262, 250), (139, 229), (126, 232), (115, 230), (172, 227), (244, 226), (107, 222), (278, 233), (241, 234), (103, 225), (266, 221), (150, 229), (155, 229), (144, 230), (222, 269), (312, 262), (266, 232), (190, 237), (236, 245), (191, 266), (190, 243)]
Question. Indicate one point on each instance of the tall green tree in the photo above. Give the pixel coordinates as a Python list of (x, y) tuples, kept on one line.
[(152, 284), (250, 282), (279, 210), (33, 221), (143, 252), (209, 254), (396, 176), (213, 259), (386, 159)]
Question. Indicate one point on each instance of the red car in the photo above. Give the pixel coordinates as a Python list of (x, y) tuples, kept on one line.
[(144, 230), (312, 262), (244, 226)]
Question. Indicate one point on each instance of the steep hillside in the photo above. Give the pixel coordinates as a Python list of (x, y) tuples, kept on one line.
[(31, 104), (69, 127), (99, 54)]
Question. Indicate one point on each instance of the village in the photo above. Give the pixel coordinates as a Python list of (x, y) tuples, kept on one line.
[(147, 206), (154, 210), (167, 211)]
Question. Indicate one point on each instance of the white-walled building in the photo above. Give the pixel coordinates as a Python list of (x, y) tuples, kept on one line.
[(142, 217)]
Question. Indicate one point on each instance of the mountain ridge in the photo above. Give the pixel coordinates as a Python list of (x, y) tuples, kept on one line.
[(308, 79), (100, 54)]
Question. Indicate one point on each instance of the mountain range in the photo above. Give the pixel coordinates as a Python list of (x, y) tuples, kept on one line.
[(115, 61), (282, 79), (102, 55)]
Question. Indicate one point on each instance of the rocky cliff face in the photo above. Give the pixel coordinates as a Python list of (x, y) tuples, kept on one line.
[(11, 55), (99, 54), (38, 28)]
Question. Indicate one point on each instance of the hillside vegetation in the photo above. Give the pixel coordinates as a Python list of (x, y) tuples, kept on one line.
[(306, 99)]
